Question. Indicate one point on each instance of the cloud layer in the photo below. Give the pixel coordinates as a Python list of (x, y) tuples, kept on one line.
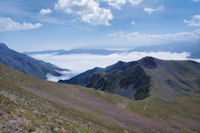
[(88, 10), (65, 75), (78, 63), (7, 24)]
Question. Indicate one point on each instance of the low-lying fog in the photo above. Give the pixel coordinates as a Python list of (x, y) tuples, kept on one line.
[(78, 63)]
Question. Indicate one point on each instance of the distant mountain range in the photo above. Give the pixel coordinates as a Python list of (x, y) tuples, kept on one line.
[(76, 51), (191, 47), (26, 64), (146, 77)]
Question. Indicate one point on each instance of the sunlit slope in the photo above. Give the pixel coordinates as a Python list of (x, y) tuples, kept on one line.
[(30, 104), (171, 79)]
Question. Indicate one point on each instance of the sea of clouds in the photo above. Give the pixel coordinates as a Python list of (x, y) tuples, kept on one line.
[(78, 63)]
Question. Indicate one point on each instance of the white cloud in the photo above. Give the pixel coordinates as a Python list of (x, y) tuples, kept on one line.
[(7, 24), (135, 2), (195, 21), (88, 10), (45, 11), (115, 3), (133, 22), (65, 75), (119, 3), (149, 39), (151, 10)]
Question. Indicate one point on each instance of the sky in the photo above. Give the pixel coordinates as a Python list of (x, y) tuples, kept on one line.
[(30, 25)]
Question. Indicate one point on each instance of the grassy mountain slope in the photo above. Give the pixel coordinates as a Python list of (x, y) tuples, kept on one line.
[(29, 104), (175, 78), (26, 64), (140, 79)]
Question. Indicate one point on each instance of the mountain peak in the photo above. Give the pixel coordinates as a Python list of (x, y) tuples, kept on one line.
[(148, 62), (2, 45), (120, 62), (97, 68), (118, 65), (148, 58)]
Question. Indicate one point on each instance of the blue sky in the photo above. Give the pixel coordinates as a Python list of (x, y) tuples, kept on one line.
[(27, 25)]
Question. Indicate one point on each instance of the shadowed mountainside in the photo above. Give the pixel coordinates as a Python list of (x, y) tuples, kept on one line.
[(27, 64), (140, 79)]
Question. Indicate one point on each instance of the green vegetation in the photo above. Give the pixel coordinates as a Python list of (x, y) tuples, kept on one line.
[(28, 104), (137, 77)]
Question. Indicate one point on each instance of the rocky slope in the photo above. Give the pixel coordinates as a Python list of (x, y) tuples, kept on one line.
[(140, 79), (26, 64)]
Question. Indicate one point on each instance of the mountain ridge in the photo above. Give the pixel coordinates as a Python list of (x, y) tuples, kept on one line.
[(137, 79), (179, 47), (27, 64), (75, 51)]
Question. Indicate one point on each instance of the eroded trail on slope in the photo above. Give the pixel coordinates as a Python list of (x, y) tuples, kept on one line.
[(115, 114)]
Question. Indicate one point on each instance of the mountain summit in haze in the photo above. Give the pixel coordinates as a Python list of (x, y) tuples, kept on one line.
[(146, 77), (27, 64)]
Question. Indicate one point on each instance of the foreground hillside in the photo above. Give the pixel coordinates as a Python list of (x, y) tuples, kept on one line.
[(146, 77), (27, 64), (28, 104)]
